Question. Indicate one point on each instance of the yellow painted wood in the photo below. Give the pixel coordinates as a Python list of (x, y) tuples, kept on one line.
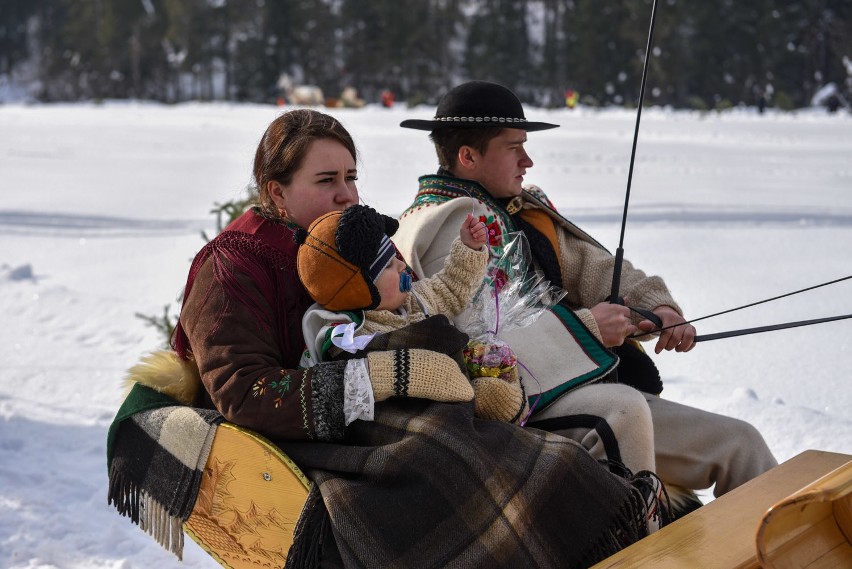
[(721, 534), (250, 499), (810, 529)]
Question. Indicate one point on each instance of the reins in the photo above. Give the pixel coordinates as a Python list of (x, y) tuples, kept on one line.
[(758, 329), (614, 296)]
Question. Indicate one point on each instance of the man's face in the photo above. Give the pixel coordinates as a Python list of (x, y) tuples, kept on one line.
[(501, 168)]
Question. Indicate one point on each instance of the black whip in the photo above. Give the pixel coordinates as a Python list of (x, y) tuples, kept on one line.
[(619, 253)]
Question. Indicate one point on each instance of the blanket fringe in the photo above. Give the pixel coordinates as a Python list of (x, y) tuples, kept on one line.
[(151, 516), (631, 528), (312, 528)]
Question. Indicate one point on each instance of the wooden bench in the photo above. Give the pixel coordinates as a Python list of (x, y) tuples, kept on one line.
[(722, 534)]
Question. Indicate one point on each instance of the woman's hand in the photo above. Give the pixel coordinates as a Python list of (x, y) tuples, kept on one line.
[(500, 399), (417, 373)]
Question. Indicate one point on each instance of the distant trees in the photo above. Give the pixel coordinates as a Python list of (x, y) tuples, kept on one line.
[(407, 47), (708, 53)]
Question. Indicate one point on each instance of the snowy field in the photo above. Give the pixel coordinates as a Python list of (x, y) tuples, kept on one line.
[(102, 207)]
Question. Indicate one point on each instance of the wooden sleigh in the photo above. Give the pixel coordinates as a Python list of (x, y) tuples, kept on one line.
[(252, 495)]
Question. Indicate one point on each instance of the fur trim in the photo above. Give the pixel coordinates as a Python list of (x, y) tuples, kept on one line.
[(681, 500), (165, 372)]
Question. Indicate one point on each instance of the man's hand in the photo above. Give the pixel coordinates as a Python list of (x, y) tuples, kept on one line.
[(680, 338), (614, 323), (473, 233)]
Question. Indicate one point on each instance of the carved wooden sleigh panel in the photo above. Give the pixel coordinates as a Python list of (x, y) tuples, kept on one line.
[(812, 528), (250, 499)]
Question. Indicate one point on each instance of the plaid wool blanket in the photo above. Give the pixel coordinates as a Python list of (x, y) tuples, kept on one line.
[(156, 453), (428, 485), (424, 485)]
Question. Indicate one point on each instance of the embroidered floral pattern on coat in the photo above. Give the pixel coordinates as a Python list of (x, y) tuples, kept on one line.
[(280, 386)]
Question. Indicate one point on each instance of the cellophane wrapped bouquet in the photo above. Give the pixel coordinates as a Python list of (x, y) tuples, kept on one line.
[(511, 296)]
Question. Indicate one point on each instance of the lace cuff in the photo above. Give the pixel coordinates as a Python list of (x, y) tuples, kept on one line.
[(358, 401)]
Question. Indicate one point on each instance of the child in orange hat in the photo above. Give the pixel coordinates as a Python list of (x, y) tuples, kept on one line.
[(363, 288)]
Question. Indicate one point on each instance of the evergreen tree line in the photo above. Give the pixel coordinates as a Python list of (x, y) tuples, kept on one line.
[(707, 53)]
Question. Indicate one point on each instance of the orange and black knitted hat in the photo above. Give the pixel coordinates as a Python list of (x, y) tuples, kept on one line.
[(342, 254)]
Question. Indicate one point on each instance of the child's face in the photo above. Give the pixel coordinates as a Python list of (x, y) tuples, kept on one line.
[(388, 286)]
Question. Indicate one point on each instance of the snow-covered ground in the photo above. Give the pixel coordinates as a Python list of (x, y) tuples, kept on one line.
[(102, 207)]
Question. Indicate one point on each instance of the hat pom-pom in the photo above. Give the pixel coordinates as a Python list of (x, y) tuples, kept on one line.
[(300, 236), (358, 234), (391, 225)]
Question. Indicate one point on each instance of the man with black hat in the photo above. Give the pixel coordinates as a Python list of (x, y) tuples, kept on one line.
[(479, 131)]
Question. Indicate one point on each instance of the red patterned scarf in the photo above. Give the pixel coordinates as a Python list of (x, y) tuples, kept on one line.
[(264, 251)]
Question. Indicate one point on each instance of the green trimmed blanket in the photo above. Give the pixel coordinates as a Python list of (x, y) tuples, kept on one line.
[(156, 453), (424, 485)]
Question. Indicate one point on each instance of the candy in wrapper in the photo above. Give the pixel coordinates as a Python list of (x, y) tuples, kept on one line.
[(490, 359)]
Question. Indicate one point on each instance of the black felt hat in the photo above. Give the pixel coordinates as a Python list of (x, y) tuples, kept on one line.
[(478, 104)]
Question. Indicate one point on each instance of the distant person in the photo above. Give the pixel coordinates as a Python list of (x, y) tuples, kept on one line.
[(387, 99), (572, 97), (832, 103), (760, 95), (479, 131)]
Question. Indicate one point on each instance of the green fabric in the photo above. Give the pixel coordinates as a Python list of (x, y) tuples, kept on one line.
[(604, 358), (354, 316), (439, 189), (140, 398)]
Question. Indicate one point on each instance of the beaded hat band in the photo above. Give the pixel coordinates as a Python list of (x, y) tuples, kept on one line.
[(478, 104)]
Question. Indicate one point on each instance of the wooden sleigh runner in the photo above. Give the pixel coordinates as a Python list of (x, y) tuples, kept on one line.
[(250, 499), (798, 515)]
